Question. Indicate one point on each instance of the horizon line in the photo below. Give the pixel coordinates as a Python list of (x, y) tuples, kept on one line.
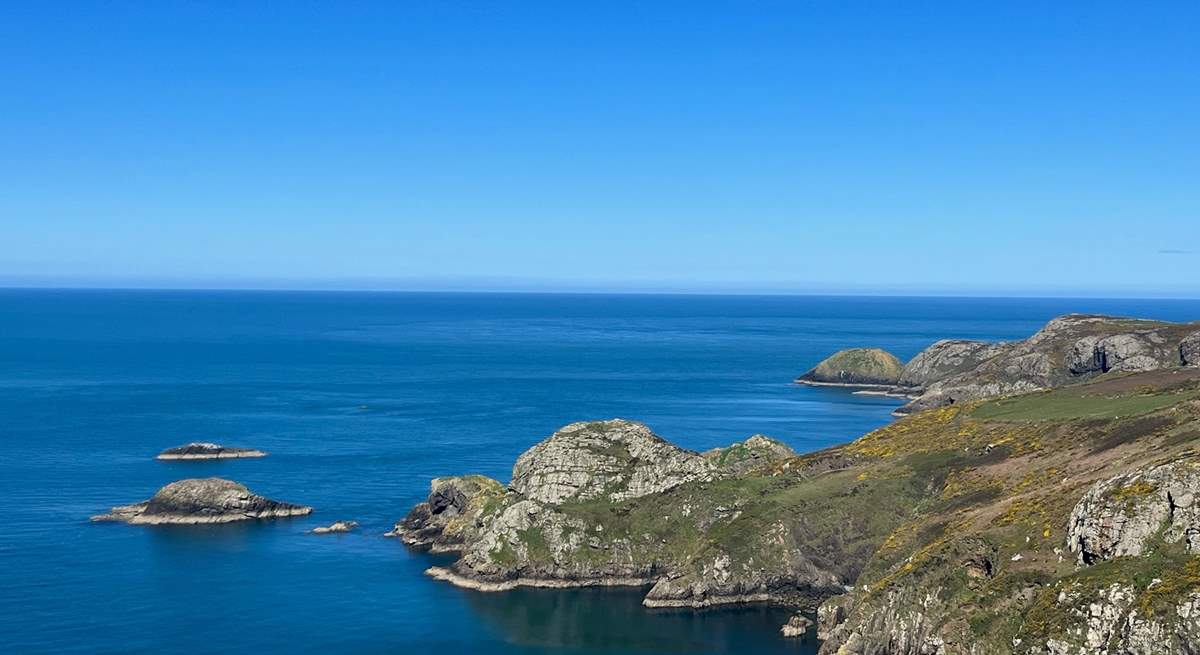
[(1013, 295)]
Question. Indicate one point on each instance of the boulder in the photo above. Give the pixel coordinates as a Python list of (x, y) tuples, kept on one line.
[(202, 500), (615, 459), (856, 367), (797, 626)]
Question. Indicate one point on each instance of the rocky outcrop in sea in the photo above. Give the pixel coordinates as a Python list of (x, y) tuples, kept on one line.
[(857, 367), (204, 450), (202, 500)]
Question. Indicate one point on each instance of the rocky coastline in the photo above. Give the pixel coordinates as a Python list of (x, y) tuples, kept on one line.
[(1068, 350), (1035, 497)]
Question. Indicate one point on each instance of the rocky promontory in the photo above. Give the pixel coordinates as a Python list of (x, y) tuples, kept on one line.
[(856, 367), (202, 500), (1056, 522), (204, 450), (1068, 350)]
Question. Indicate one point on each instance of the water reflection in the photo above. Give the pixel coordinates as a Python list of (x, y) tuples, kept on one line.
[(613, 620)]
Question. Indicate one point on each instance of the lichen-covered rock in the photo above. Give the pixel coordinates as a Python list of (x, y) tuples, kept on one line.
[(202, 500), (1146, 351), (1119, 516), (1068, 349), (450, 514), (1111, 621), (717, 578), (865, 367), (204, 450), (749, 454), (614, 459), (1189, 350), (947, 358)]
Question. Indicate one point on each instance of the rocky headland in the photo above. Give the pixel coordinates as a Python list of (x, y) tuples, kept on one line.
[(202, 500), (204, 450), (1045, 503), (1068, 350)]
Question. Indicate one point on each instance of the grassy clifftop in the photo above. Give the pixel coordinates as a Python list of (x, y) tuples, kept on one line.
[(947, 529)]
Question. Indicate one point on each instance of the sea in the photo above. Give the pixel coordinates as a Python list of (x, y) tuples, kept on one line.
[(361, 398)]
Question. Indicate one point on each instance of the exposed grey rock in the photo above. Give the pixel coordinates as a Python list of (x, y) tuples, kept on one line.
[(1110, 622), (202, 500), (1118, 517), (1066, 350), (615, 459), (448, 516), (947, 358), (797, 626), (747, 455), (719, 580), (204, 450), (1128, 353), (1189, 350), (336, 527)]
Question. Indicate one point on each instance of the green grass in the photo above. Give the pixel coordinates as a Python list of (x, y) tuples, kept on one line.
[(1070, 405)]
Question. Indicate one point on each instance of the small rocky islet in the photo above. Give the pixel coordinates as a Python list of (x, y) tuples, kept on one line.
[(1036, 497), (199, 450), (202, 500), (337, 527)]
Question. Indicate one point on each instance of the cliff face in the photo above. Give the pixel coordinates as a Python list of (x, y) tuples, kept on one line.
[(1059, 521), (1068, 350)]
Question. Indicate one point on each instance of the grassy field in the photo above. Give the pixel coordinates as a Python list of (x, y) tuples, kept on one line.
[(1071, 404)]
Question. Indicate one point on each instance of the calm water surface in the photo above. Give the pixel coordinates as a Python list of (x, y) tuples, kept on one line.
[(361, 398)]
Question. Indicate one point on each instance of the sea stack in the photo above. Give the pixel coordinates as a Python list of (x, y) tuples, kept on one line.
[(202, 500), (856, 367), (204, 450)]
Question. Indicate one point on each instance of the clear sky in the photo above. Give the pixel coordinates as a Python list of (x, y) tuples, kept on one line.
[(968, 147)]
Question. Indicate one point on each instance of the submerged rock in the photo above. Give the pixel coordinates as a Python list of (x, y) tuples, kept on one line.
[(614, 459), (202, 500), (335, 527), (856, 367), (204, 450)]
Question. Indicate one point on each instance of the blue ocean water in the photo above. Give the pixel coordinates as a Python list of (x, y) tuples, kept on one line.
[(361, 398)]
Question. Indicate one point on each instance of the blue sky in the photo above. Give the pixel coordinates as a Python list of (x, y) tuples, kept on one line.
[(1042, 148)]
